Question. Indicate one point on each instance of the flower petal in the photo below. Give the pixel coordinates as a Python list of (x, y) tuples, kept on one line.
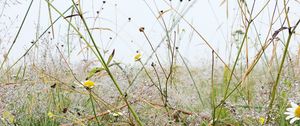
[(290, 109), (289, 117), (294, 105), (294, 119), (288, 113)]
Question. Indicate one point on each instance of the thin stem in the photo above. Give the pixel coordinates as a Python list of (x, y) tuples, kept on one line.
[(154, 53), (213, 95), (35, 41), (236, 59), (192, 78), (274, 89), (94, 110), (102, 61), (159, 89), (15, 39), (148, 75)]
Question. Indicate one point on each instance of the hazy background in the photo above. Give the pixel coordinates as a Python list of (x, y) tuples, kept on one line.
[(208, 17)]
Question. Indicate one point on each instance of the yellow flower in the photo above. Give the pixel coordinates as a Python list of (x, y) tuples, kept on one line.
[(50, 114), (89, 84), (293, 113), (137, 57), (262, 120), (8, 116)]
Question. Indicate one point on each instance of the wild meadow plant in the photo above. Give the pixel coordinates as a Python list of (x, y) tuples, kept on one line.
[(248, 77)]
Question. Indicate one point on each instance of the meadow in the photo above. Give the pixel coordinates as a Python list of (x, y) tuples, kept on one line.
[(77, 70)]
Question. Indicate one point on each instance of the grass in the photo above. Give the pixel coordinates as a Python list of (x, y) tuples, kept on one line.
[(251, 85)]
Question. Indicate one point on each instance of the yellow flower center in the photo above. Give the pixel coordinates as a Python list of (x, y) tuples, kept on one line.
[(297, 112), (89, 84)]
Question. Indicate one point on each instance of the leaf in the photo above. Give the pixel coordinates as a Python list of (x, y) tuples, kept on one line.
[(98, 69), (111, 57), (93, 72)]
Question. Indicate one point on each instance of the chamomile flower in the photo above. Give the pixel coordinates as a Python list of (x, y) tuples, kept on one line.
[(137, 57), (117, 114), (293, 113), (89, 84)]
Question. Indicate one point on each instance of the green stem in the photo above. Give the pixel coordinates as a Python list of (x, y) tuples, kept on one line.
[(99, 57), (106, 67), (236, 59), (95, 114), (15, 39), (274, 89)]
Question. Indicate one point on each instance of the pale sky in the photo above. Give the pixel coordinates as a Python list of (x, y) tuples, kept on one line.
[(208, 17)]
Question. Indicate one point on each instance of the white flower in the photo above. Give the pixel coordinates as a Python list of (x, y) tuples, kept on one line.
[(293, 113), (117, 114)]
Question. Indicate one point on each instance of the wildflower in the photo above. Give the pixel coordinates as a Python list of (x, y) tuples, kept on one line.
[(262, 120), (117, 114), (293, 113), (8, 116), (50, 114), (89, 84), (137, 57)]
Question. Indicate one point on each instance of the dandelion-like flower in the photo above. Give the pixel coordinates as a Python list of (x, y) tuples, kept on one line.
[(89, 84), (293, 113), (50, 114), (262, 120), (137, 57)]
